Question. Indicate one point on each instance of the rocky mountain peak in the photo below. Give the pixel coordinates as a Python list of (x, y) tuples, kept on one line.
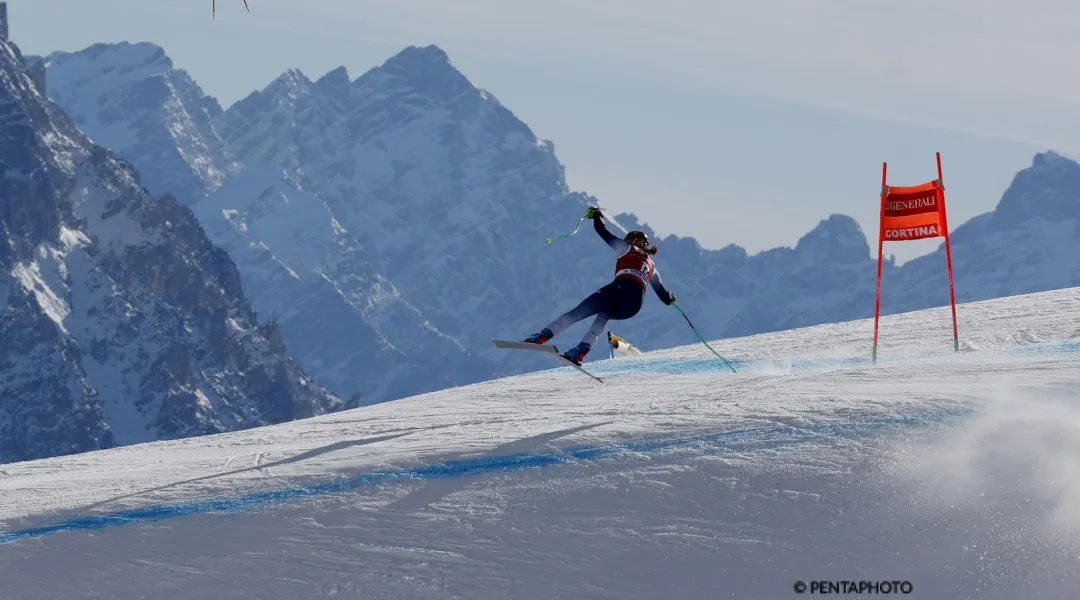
[(1049, 189), (124, 323), (424, 71), (291, 83), (335, 83), (837, 239), (130, 99)]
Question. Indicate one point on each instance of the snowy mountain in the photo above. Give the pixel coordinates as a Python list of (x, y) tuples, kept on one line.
[(124, 323), (347, 324), (129, 98), (450, 192), (340, 316), (950, 473), (269, 123), (451, 199)]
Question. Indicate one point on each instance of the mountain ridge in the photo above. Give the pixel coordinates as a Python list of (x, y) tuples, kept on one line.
[(124, 323)]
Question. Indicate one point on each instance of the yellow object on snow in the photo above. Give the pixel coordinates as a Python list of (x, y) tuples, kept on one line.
[(620, 347)]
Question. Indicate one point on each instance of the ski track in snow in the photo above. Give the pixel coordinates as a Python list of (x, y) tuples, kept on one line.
[(675, 478)]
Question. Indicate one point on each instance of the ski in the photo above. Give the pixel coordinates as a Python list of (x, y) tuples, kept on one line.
[(546, 348), (576, 366), (525, 346)]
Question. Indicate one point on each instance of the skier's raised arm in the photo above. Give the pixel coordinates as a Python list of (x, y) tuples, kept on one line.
[(610, 239)]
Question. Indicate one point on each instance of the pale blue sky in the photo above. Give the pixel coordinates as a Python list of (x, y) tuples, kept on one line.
[(733, 122)]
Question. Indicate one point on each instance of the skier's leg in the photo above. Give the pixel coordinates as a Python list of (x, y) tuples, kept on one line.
[(593, 334), (587, 308), (577, 353)]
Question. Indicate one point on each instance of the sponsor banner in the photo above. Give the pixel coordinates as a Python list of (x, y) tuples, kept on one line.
[(913, 213), (904, 205), (912, 233)]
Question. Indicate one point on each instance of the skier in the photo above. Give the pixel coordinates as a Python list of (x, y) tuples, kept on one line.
[(621, 299)]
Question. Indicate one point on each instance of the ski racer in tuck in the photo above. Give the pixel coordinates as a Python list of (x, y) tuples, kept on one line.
[(621, 299)]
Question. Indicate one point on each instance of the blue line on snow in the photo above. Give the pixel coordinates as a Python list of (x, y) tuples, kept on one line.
[(711, 364), (791, 364), (752, 439)]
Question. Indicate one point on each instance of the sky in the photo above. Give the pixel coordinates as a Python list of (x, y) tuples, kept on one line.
[(731, 122)]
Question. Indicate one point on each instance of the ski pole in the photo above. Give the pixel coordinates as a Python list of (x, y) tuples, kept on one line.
[(566, 235), (703, 339)]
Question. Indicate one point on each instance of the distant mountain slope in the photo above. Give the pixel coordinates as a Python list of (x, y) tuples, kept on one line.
[(347, 324), (124, 322), (129, 98)]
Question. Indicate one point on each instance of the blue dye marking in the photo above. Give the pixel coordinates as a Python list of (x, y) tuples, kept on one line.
[(709, 365), (793, 364), (752, 439)]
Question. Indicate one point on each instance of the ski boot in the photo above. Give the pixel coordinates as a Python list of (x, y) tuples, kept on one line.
[(540, 338), (577, 353)]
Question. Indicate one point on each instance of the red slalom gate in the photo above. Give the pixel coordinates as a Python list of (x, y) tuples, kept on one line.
[(913, 213)]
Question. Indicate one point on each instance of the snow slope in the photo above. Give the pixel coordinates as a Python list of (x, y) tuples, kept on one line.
[(676, 479)]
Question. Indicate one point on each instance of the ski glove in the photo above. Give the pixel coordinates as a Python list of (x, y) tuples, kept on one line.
[(593, 213), (670, 299)]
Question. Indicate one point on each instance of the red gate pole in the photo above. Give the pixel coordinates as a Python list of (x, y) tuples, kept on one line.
[(880, 247), (948, 256)]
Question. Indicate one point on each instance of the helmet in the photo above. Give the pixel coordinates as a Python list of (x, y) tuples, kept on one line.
[(639, 239)]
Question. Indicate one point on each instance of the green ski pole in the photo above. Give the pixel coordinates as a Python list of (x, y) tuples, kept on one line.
[(703, 339), (566, 235), (588, 215)]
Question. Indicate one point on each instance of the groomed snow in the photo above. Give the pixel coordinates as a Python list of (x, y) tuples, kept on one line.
[(674, 479)]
